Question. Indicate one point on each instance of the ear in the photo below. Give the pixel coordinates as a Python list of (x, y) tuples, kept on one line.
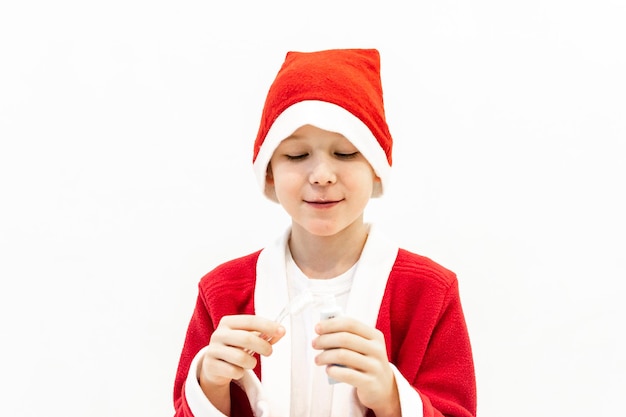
[(269, 176), (270, 190), (377, 189)]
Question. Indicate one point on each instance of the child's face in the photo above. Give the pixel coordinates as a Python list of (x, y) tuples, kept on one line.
[(321, 180)]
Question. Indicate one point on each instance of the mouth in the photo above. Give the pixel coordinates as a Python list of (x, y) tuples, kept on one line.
[(320, 203)]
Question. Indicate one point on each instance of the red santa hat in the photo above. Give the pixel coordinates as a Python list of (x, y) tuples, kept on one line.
[(339, 90)]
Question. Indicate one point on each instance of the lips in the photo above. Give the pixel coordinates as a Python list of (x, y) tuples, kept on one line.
[(323, 203)]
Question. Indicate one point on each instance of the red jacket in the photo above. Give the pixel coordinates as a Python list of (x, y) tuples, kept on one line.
[(420, 316)]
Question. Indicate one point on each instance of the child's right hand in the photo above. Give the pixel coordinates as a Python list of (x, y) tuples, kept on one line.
[(229, 352)]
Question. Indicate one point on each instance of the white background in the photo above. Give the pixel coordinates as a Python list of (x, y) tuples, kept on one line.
[(126, 132)]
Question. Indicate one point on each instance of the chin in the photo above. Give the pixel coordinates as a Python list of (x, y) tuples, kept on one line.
[(324, 229), (317, 228)]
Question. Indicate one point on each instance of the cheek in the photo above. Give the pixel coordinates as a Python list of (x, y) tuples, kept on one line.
[(361, 180), (285, 183)]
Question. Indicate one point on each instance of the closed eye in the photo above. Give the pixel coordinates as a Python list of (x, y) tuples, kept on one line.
[(297, 157), (350, 155)]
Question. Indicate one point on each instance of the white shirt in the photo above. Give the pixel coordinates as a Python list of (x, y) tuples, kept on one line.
[(311, 393)]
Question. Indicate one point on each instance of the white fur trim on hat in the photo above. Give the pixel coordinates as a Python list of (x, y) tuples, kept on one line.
[(329, 117)]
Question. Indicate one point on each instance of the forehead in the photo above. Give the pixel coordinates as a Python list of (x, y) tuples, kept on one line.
[(312, 133)]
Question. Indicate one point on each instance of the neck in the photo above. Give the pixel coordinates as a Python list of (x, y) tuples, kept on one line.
[(322, 257)]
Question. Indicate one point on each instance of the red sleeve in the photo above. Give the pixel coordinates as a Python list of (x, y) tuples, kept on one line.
[(227, 290), (446, 380), (427, 338), (198, 335)]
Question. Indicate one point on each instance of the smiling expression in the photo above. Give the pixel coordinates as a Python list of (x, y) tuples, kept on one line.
[(321, 180)]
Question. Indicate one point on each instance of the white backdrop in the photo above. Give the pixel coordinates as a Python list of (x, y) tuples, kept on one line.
[(126, 132)]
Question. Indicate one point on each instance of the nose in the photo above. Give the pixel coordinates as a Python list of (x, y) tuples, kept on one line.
[(322, 172)]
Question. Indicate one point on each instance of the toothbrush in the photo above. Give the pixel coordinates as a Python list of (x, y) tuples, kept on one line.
[(294, 306)]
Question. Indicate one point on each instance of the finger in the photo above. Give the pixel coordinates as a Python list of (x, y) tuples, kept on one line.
[(346, 324), (220, 363), (371, 383), (359, 371), (346, 358), (342, 374), (248, 341), (258, 324), (280, 332), (246, 332), (220, 372), (349, 341), (232, 355), (265, 328)]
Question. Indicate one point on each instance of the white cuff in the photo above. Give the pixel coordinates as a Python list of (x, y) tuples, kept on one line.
[(200, 405), (410, 400)]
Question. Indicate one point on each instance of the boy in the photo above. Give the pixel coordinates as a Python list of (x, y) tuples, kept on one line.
[(401, 346)]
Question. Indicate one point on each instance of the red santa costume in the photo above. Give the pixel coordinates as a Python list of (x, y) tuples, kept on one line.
[(412, 300)]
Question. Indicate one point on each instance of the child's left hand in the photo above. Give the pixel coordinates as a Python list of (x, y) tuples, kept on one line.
[(361, 349)]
